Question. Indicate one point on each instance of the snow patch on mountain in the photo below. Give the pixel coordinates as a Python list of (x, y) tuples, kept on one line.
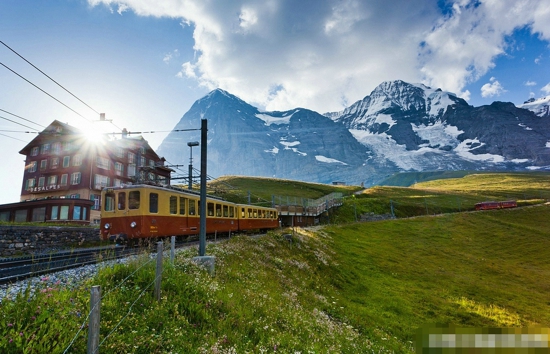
[(269, 119), (437, 134), (325, 159), (464, 150)]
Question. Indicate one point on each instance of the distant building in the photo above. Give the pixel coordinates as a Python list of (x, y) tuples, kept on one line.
[(62, 163)]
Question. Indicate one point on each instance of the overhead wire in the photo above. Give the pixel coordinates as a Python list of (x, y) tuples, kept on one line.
[(15, 115), (11, 137), (13, 71), (21, 124), (43, 73)]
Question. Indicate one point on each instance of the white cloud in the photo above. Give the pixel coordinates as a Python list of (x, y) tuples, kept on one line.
[(169, 56), (492, 89), (282, 54), (530, 83), (546, 88)]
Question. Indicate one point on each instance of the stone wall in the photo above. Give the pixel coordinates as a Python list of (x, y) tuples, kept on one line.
[(26, 240)]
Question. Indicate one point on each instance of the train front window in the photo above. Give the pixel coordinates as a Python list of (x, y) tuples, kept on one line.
[(225, 211), (133, 200), (153, 203), (219, 210), (173, 204), (109, 204), (121, 200)]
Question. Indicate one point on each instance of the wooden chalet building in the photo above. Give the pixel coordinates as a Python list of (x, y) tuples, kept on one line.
[(62, 163)]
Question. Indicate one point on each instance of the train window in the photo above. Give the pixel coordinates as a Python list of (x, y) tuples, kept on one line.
[(255, 213), (133, 200), (225, 211), (199, 208), (192, 210), (183, 201), (231, 212), (64, 214), (109, 202), (121, 200), (242, 213), (173, 204), (210, 207), (153, 203), (249, 212), (218, 210)]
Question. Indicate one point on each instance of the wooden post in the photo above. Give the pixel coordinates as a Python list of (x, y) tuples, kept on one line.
[(158, 273), (93, 326), (172, 248)]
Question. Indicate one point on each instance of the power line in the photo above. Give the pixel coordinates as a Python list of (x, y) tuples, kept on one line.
[(43, 73), (44, 92), (15, 115), (18, 131), (9, 120), (12, 137)]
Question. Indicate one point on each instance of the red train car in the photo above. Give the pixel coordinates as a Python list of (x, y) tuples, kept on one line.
[(496, 205), (146, 211)]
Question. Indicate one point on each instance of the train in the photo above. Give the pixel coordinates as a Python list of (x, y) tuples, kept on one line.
[(143, 211), (496, 205)]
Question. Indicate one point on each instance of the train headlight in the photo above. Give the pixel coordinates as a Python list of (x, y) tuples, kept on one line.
[(107, 226), (133, 224)]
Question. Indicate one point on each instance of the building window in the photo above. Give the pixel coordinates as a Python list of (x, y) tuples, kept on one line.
[(67, 145), (56, 148), (66, 161), (55, 212), (101, 182), (34, 151), (55, 162), (31, 182), (52, 180), (151, 163), (103, 163), (132, 170), (75, 178), (119, 152), (64, 178), (77, 212), (43, 164), (142, 161), (45, 148), (77, 160), (151, 176), (32, 166), (119, 169), (117, 183), (39, 214), (41, 181), (131, 157), (96, 198), (64, 214), (142, 150)]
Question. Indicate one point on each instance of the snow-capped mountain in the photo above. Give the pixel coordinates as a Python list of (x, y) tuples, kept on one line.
[(541, 106), (398, 127)]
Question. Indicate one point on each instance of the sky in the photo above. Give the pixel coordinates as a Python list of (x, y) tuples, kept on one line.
[(145, 62)]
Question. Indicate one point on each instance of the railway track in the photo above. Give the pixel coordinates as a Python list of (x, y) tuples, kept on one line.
[(20, 268), (16, 269)]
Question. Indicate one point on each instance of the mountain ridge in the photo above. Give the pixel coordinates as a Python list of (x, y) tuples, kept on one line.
[(398, 127)]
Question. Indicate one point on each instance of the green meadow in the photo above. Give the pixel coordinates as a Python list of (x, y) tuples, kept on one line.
[(347, 287)]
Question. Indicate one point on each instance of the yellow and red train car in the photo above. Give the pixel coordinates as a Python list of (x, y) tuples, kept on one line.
[(146, 211), (496, 205)]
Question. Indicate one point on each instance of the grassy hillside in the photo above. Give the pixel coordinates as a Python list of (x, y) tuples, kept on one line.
[(352, 289), (447, 195), (237, 188), (406, 179)]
